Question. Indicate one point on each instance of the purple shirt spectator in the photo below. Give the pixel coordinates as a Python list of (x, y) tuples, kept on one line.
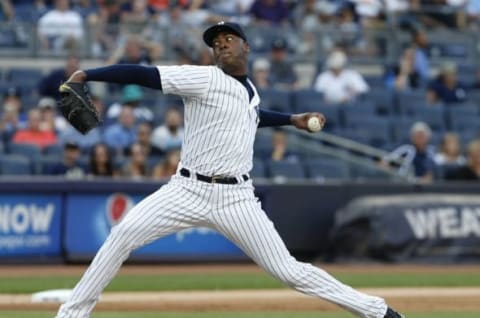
[(271, 11)]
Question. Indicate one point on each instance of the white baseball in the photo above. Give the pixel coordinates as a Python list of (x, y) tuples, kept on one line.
[(314, 124)]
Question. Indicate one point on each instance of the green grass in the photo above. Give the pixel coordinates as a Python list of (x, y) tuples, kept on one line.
[(29, 314), (228, 281)]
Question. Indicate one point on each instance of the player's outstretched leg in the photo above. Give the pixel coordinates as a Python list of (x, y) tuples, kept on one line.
[(245, 223), (168, 210)]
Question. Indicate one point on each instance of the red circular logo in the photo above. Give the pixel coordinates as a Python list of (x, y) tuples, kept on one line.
[(118, 205)]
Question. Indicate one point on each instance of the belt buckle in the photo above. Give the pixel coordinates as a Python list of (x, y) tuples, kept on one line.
[(215, 178)]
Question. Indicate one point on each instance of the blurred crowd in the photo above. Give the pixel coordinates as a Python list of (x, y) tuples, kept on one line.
[(142, 131)]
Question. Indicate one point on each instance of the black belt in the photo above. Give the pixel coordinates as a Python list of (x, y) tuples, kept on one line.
[(215, 179)]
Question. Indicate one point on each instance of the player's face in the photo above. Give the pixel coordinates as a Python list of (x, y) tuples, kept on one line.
[(230, 52)]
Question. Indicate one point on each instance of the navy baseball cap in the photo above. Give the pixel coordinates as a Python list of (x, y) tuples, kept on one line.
[(222, 26)]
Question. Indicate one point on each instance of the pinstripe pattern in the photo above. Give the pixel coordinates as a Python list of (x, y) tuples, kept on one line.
[(220, 127)]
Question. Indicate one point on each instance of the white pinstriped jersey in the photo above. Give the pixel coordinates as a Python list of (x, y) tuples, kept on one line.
[(220, 121)]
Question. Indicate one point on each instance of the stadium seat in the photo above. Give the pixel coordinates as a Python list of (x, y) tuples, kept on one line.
[(258, 170), (15, 165), (24, 76), (275, 99), (459, 112), (44, 164), (406, 101), (434, 116), (361, 172), (383, 101), (27, 150), (327, 169), (465, 124), (358, 110), (307, 100), (401, 129), (285, 170), (56, 150), (375, 81)]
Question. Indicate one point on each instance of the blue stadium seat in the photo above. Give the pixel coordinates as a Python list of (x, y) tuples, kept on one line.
[(258, 170), (360, 172), (401, 129), (27, 150), (15, 165), (286, 170), (458, 112), (44, 164), (434, 116), (375, 81), (307, 100), (262, 146), (56, 150), (322, 169), (24, 75), (406, 101), (358, 110), (383, 100), (465, 124), (275, 99)]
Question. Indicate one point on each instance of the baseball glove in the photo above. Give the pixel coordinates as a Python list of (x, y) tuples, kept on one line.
[(77, 107)]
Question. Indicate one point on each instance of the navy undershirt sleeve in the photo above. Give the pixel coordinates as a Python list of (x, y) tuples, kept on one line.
[(147, 76), (270, 118)]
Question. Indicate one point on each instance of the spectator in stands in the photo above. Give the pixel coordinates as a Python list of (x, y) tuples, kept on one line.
[(473, 14), (340, 85), (446, 88), (403, 76), (282, 72), (272, 12), (349, 29), (421, 61), (101, 162), (48, 86), (168, 167), (311, 16), (229, 8), (471, 171), (70, 166), (136, 51), (11, 117), (105, 24), (144, 139), (87, 141), (169, 135), (33, 134), (121, 135), (7, 11), (137, 166), (261, 73), (450, 151), (132, 96), (280, 149), (135, 12), (60, 28), (419, 155), (50, 119)]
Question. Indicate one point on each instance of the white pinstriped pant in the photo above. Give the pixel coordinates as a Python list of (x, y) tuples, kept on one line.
[(233, 211)]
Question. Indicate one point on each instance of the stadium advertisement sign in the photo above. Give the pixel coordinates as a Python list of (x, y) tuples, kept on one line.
[(30, 225), (432, 227), (90, 217)]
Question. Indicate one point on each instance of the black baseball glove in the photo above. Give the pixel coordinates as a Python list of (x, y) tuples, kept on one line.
[(77, 107)]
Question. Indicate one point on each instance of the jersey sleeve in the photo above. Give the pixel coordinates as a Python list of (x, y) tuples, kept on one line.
[(185, 80)]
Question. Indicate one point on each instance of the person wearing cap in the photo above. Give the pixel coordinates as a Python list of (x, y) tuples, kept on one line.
[(338, 84), (11, 116), (446, 88), (50, 120), (69, 167), (418, 156), (132, 96), (212, 186), (282, 72), (261, 73)]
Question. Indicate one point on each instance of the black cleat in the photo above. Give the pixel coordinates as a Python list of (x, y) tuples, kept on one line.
[(392, 314)]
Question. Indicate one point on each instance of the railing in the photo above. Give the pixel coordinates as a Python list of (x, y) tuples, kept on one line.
[(379, 46)]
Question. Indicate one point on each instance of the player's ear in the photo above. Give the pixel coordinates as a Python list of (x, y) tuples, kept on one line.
[(246, 47)]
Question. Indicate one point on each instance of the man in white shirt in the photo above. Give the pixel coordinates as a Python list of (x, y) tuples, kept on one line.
[(60, 27), (340, 85)]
